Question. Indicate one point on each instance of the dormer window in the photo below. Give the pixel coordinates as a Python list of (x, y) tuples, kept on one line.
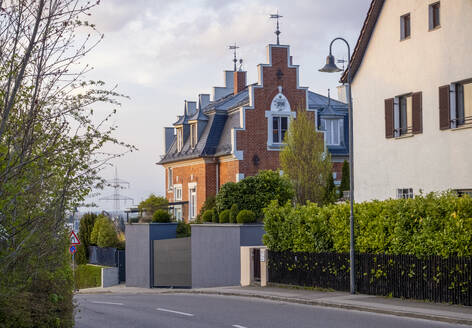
[(278, 120), (193, 135), (180, 139), (333, 131)]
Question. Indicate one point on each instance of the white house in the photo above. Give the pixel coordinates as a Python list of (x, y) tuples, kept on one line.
[(412, 99)]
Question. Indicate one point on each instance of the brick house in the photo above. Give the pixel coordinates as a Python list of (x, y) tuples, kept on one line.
[(240, 131)]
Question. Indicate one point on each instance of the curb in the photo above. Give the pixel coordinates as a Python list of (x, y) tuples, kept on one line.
[(415, 315)]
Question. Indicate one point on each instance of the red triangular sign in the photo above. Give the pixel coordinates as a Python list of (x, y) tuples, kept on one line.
[(74, 240)]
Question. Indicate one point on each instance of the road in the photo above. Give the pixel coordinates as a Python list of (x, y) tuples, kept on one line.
[(197, 311)]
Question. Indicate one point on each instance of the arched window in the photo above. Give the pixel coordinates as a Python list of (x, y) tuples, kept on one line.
[(278, 120)]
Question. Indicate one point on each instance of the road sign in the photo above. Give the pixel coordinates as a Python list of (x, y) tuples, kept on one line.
[(72, 250), (74, 240)]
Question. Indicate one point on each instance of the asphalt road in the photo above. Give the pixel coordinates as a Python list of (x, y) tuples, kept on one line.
[(193, 310)]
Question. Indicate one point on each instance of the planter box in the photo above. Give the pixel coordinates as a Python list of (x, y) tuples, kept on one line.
[(216, 252)]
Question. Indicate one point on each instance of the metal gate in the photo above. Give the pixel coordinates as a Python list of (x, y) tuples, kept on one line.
[(172, 263), (121, 261)]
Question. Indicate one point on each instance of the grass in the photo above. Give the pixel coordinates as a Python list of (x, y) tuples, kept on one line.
[(88, 275)]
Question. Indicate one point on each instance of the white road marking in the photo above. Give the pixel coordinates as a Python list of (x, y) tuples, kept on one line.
[(238, 326), (110, 303), (176, 312)]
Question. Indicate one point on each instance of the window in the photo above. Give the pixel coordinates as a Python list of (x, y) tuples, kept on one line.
[(405, 27), (333, 131), (404, 193), (177, 193), (279, 128), (193, 135), (434, 17), (180, 139), (406, 115), (178, 212), (463, 192), (169, 179), (463, 103), (192, 202)]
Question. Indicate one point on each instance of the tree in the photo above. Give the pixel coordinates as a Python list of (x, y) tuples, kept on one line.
[(104, 233), (51, 151), (85, 230), (331, 194), (161, 216), (153, 203), (344, 186), (305, 161)]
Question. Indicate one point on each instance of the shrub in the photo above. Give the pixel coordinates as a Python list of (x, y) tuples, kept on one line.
[(87, 221), (161, 216), (233, 213), (224, 216), (207, 216), (87, 276), (255, 192), (208, 204), (183, 230), (435, 224), (215, 217), (246, 216), (104, 233)]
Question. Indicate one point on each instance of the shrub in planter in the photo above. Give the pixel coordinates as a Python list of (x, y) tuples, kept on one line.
[(161, 216), (224, 216), (233, 213), (246, 216), (207, 216)]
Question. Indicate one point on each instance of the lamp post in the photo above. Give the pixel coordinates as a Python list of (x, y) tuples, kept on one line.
[(331, 67)]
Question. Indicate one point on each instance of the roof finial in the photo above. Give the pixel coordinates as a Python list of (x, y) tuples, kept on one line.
[(277, 31), (235, 60), (329, 97)]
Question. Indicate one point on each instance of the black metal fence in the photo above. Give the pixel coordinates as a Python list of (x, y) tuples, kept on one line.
[(432, 278), (108, 256)]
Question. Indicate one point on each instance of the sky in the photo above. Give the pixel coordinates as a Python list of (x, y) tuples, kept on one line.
[(163, 52)]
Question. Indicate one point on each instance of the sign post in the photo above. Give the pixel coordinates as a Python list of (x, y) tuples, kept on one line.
[(74, 242)]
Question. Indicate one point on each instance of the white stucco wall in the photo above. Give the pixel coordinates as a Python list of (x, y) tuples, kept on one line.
[(434, 160)]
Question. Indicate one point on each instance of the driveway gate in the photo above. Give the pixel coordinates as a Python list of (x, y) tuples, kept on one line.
[(172, 263)]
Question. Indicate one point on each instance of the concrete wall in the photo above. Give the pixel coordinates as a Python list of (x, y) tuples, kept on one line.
[(139, 260), (216, 259), (172, 263), (434, 160), (110, 277)]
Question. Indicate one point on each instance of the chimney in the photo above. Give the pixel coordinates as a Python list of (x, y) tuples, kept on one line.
[(342, 93), (203, 100), (168, 138), (190, 107), (239, 81)]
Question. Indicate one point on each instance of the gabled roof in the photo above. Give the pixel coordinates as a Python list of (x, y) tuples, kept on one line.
[(364, 38)]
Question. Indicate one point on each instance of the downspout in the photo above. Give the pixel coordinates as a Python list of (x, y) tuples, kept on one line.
[(217, 175)]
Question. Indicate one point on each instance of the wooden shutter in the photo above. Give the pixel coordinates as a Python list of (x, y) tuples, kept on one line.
[(389, 118), (417, 104), (444, 107)]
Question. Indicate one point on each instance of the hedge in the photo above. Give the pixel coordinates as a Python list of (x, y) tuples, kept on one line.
[(224, 216), (435, 224), (246, 216), (161, 216), (87, 276)]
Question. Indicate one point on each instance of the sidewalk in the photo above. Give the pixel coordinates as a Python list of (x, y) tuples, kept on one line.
[(393, 306)]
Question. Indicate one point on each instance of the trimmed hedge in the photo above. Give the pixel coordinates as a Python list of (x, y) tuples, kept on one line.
[(207, 216), (224, 216), (161, 216), (435, 224), (233, 213), (87, 276), (246, 216)]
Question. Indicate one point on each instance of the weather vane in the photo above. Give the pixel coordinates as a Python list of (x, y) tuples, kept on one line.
[(235, 60), (277, 32)]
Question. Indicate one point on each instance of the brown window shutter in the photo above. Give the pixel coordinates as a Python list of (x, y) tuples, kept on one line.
[(417, 102), (444, 107), (389, 118)]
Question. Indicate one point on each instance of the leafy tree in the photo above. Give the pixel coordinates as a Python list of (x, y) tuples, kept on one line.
[(331, 194), (305, 161), (85, 230), (254, 192), (161, 216), (153, 203), (104, 233), (344, 186)]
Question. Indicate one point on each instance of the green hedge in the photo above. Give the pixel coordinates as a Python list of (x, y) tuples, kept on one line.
[(435, 224), (224, 216), (246, 216), (87, 276)]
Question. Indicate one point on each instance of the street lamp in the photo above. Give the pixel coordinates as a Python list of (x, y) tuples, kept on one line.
[(331, 67)]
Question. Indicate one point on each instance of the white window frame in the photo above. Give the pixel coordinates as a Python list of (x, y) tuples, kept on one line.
[(177, 192), (280, 107), (454, 105), (180, 138), (170, 182), (330, 133), (193, 134), (192, 203), (405, 193)]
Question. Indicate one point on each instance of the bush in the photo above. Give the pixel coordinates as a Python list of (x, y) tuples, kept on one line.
[(215, 217), (224, 216), (435, 224), (161, 216), (104, 233), (183, 230), (87, 276), (208, 204), (207, 216), (255, 192), (233, 214), (246, 216), (85, 230)]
